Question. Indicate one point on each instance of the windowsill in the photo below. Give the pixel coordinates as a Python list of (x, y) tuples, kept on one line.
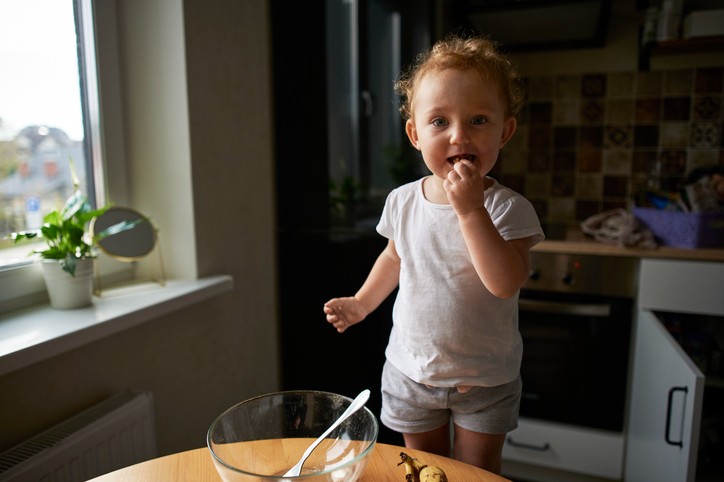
[(35, 334)]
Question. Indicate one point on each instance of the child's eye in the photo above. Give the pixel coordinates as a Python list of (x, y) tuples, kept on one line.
[(439, 122), (478, 120)]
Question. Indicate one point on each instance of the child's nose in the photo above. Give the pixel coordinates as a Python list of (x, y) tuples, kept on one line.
[(459, 135)]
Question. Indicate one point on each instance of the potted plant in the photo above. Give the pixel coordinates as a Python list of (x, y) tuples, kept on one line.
[(70, 248), (345, 200)]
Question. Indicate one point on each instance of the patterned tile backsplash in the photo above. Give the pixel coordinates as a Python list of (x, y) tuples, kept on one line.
[(586, 143)]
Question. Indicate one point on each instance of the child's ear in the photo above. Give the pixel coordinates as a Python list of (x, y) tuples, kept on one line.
[(411, 132), (508, 130)]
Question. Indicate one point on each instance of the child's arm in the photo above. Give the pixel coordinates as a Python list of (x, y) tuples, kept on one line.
[(381, 281), (502, 265)]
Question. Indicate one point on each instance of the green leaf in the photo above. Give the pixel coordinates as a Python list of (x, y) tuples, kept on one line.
[(53, 217), (51, 253), (85, 217), (50, 231), (68, 264), (76, 203), (21, 235)]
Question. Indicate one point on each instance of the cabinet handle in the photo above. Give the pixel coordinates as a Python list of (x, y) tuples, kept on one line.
[(540, 448), (678, 443), (562, 308), (367, 102)]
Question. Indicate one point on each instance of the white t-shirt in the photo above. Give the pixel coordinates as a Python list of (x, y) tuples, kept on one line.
[(448, 329)]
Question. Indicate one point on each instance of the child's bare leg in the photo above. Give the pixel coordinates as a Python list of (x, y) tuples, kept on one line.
[(483, 450), (435, 441)]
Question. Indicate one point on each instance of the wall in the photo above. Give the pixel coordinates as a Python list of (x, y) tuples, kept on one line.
[(196, 86), (596, 126), (620, 52), (588, 143), (157, 122)]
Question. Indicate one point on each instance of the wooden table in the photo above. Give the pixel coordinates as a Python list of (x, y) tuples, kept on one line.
[(196, 466)]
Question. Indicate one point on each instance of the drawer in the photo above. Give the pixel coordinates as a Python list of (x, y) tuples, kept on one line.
[(565, 447), (681, 286)]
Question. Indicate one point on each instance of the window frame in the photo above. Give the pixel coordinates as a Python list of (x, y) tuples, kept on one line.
[(21, 283)]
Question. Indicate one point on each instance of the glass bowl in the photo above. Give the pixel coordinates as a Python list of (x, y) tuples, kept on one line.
[(261, 438)]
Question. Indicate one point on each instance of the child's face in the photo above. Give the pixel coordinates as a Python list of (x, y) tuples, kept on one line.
[(458, 114)]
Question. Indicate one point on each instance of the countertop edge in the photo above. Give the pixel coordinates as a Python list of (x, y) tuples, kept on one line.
[(590, 247)]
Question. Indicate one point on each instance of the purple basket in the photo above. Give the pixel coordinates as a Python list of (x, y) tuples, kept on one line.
[(683, 230)]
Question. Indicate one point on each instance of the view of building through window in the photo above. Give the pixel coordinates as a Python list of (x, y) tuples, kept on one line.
[(41, 115)]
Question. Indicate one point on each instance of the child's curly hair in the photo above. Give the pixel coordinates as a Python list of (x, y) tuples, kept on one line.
[(474, 53)]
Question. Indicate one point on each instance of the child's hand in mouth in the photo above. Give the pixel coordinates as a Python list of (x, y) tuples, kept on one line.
[(455, 159)]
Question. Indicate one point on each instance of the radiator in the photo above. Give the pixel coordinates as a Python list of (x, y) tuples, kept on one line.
[(115, 433)]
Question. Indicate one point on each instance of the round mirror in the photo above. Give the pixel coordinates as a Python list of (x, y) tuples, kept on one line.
[(127, 245)]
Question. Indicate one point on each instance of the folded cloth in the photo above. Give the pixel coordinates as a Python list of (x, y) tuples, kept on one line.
[(619, 227)]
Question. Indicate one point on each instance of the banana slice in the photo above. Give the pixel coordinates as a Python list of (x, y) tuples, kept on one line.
[(432, 474), (416, 471), (412, 467)]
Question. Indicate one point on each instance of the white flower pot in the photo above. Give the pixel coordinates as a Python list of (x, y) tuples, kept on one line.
[(66, 291)]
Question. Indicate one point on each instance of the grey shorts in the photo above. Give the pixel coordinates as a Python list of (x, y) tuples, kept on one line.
[(411, 407)]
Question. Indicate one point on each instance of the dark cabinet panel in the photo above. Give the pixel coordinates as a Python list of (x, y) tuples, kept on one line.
[(314, 355)]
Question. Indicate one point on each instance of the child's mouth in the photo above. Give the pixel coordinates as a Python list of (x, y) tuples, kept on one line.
[(456, 159)]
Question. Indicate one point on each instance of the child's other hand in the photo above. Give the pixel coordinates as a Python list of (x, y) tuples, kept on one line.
[(344, 312), (465, 187)]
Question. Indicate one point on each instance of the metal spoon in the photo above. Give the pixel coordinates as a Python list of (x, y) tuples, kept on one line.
[(356, 404)]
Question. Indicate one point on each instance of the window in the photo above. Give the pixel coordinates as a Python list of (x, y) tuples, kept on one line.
[(49, 113), (369, 153)]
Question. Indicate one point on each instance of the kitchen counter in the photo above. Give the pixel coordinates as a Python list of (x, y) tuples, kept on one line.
[(559, 239), (575, 242)]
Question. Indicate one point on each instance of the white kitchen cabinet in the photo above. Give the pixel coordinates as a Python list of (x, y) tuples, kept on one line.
[(667, 386), (682, 286), (664, 407), (596, 453)]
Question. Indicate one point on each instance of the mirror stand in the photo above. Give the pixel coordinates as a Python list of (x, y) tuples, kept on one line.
[(159, 276)]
